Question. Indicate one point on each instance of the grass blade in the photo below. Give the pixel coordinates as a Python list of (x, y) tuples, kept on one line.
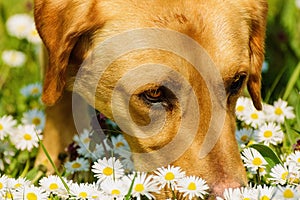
[(292, 81)]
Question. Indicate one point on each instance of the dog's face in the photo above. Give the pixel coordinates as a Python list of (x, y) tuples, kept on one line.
[(230, 32)]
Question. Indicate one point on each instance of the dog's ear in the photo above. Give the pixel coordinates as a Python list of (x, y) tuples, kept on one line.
[(60, 25), (257, 10)]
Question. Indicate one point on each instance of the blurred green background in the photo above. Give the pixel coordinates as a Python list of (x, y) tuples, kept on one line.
[(280, 75)]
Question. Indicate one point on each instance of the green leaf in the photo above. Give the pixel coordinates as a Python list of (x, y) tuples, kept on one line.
[(32, 173), (297, 110), (269, 155)]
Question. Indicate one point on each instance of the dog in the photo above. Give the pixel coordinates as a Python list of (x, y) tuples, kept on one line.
[(232, 34)]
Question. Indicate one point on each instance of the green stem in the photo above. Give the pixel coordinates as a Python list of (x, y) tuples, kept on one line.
[(37, 176), (127, 196), (53, 165), (25, 171), (275, 83), (258, 177), (173, 194), (292, 81)]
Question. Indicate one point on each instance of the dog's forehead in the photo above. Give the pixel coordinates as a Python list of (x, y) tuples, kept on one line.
[(220, 27)]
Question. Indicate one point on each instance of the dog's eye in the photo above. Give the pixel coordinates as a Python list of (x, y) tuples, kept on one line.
[(237, 83), (153, 95)]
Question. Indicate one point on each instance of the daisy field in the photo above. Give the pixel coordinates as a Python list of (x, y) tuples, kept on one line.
[(269, 140)]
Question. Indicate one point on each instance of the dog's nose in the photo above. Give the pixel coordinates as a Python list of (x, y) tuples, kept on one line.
[(219, 188)]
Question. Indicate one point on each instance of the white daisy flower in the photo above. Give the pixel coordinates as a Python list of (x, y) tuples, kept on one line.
[(32, 35), (99, 151), (19, 25), (262, 171), (80, 164), (31, 193), (244, 136), (268, 109), (126, 160), (265, 192), (282, 174), (281, 111), (8, 195), (13, 58), (269, 133), (253, 160), (115, 189), (253, 117), (7, 124), (241, 107), (53, 184), (19, 183), (83, 140), (83, 191), (108, 169), (26, 137), (287, 193), (35, 117), (32, 90), (169, 176), (232, 194), (297, 3), (294, 158), (192, 186), (248, 193), (144, 185), (83, 137), (119, 143), (3, 184)]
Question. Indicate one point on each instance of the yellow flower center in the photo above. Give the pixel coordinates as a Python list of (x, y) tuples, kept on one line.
[(83, 194), (35, 91), (53, 186), (34, 32), (31, 196), (298, 160), (284, 175), (278, 111), (244, 138), (27, 136), (240, 108), (288, 193), (13, 57), (36, 121), (261, 170), (169, 176), (18, 185), (268, 134), (8, 195), (21, 28), (108, 171), (264, 198), (257, 161), (76, 165), (1, 127), (246, 198), (254, 116), (1, 186), (86, 140), (115, 192), (120, 144), (192, 186), (295, 180), (139, 187)]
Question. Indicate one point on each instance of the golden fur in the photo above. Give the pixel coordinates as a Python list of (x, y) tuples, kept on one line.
[(231, 31)]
